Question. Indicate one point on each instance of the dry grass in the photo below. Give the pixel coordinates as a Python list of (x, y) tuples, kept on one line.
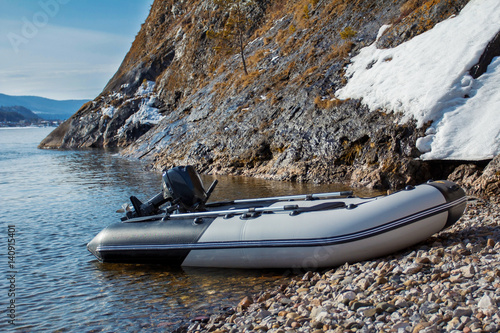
[(312, 54), (310, 71), (419, 10), (175, 79), (244, 80), (327, 103), (351, 151), (276, 9), (410, 6), (274, 100), (282, 36), (348, 33), (221, 87), (341, 51), (267, 40), (334, 8), (284, 76), (255, 58)]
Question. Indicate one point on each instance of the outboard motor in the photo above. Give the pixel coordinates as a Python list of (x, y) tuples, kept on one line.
[(150, 207), (182, 187)]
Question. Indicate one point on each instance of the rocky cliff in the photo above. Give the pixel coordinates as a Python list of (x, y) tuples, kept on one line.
[(178, 99)]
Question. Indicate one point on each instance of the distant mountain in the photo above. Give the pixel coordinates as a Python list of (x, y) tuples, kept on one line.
[(45, 108), (16, 114), (10, 117)]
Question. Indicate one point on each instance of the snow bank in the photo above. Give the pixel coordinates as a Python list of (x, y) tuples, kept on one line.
[(427, 79), (472, 129)]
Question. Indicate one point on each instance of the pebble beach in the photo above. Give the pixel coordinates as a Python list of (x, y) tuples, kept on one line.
[(448, 283)]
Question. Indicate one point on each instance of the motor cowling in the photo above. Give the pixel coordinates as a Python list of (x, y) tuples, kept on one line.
[(182, 186)]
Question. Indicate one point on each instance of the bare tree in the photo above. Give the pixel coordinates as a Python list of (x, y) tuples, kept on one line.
[(232, 37)]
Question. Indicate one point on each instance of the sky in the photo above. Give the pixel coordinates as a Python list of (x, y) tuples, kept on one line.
[(65, 49), (427, 79)]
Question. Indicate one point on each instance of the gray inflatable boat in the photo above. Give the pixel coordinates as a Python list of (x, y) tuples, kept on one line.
[(178, 227)]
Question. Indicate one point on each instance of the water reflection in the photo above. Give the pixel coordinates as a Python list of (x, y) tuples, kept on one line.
[(238, 187), (175, 295), (100, 168)]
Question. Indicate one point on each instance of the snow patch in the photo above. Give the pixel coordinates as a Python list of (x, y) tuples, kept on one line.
[(147, 114), (427, 79), (145, 88), (108, 111)]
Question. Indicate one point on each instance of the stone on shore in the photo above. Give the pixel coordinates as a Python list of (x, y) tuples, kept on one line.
[(448, 283)]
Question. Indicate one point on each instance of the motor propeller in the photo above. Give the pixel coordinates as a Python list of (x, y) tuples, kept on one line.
[(125, 208)]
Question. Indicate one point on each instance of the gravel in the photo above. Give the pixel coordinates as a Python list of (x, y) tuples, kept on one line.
[(448, 283)]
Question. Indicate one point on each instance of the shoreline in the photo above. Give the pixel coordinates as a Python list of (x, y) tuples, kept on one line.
[(447, 283)]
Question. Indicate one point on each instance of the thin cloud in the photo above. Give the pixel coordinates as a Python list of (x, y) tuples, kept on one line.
[(56, 61)]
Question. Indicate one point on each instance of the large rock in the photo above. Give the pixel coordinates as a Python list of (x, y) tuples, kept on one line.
[(491, 51), (488, 184), (280, 121), (484, 182)]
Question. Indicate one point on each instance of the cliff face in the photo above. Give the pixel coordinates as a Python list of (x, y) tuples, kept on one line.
[(177, 100)]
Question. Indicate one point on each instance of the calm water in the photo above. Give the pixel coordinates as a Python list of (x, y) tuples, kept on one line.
[(56, 201)]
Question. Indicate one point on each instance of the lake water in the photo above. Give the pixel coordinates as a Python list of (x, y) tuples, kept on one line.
[(55, 201)]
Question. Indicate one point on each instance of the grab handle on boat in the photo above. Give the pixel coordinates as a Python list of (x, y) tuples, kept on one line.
[(322, 206), (294, 210), (285, 198), (298, 197), (229, 212)]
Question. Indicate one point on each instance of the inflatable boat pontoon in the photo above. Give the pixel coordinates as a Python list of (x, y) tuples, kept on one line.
[(178, 226)]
